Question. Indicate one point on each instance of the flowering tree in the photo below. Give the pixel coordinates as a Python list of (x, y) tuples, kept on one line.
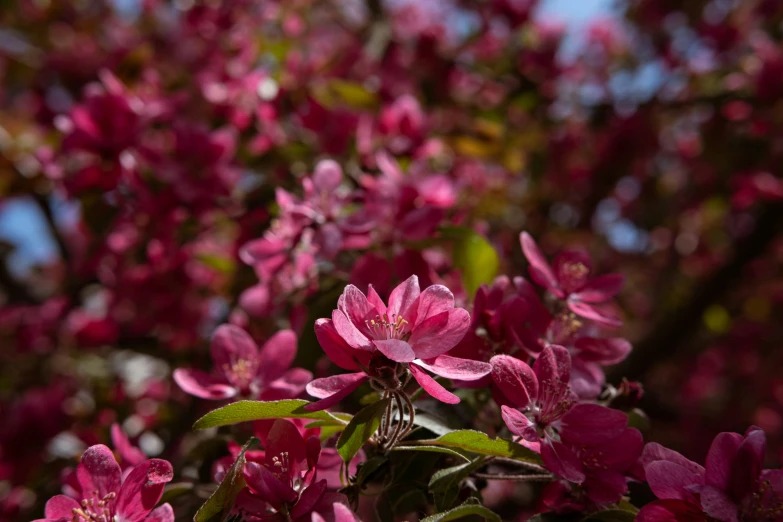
[(365, 260)]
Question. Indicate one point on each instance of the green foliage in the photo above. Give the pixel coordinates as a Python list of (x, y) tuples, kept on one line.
[(444, 483), (434, 449), (244, 411), (477, 442), (475, 257), (223, 498), (467, 509), (360, 429)]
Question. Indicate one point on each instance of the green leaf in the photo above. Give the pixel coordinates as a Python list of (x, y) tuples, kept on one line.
[(174, 490), (466, 509), (475, 257), (243, 411), (448, 478), (478, 442), (434, 449), (360, 429), (368, 467), (341, 92), (223, 498), (611, 515)]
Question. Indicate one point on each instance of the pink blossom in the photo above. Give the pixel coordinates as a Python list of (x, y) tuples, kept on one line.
[(412, 334), (732, 486), (105, 496), (542, 409), (285, 487), (242, 369), (569, 279)]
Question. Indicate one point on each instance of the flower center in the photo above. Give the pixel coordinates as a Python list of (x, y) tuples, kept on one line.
[(240, 373), (554, 400), (765, 504), (92, 511), (383, 327)]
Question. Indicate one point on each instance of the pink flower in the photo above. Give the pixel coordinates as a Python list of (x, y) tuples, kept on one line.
[(732, 486), (541, 409), (569, 279), (409, 336), (284, 487), (243, 369), (106, 497)]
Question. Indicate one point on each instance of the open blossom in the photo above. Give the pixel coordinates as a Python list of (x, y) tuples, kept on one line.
[(105, 497), (731, 487), (242, 369), (412, 334), (542, 409), (569, 278), (285, 487)]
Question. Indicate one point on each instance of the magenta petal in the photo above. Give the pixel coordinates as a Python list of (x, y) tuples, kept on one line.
[(327, 176), (267, 486), (340, 387), (98, 473), (308, 499), (670, 511), (434, 300), (142, 489), (230, 345), (349, 332), (669, 480), (592, 424), (561, 460), (553, 365), (402, 297), (604, 351), (589, 311), (276, 355), (60, 506), (605, 486), (432, 387), (396, 350), (622, 452), (515, 379), (343, 513), (718, 505), (203, 385), (162, 513), (356, 307), (747, 464), (519, 424), (128, 453), (540, 271), (456, 368), (284, 437), (289, 386), (654, 451), (335, 346), (602, 288), (719, 459), (440, 333)]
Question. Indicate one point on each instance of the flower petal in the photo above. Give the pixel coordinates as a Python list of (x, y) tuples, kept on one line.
[(276, 355), (202, 385), (128, 453), (434, 300), (561, 460), (343, 513), (267, 486), (553, 365), (722, 452), (396, 350), (432, 387), (605, 486), (456, 368), (230, 345), (332, 390), (748, 463), (349, 332), (440, 333), (519, 424), (162, 513), (603, 351), (572, 270), (284, 437), (60, 506), (718, 505), (308, 499), (515, 379), (289, 386), (669, 480), (591, 312), (356, 307), (334, 345), (591, 424), (540, 270), (98, 473), (602, 288), (670, 511), (375, 300), (142, 489), (653, 452), (403, 297)]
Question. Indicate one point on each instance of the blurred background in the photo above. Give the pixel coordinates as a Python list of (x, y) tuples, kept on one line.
[(141, 143)]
